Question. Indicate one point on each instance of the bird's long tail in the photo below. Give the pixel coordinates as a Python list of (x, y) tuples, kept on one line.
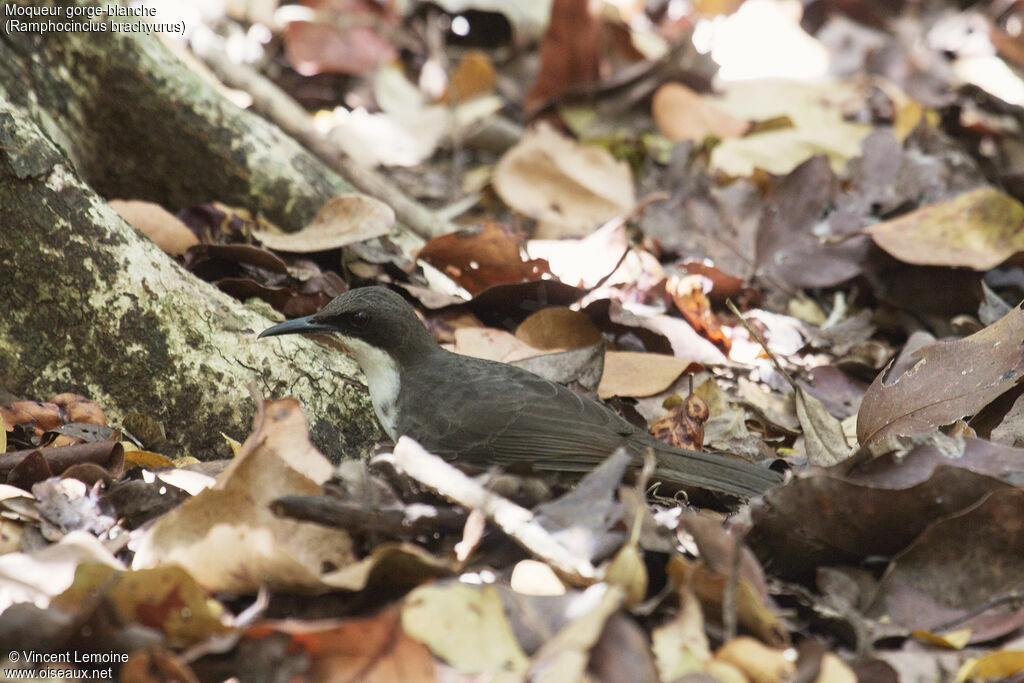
[(719, 473)]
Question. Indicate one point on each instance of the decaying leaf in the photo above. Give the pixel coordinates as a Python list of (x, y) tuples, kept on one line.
[(682, 114), (349, 42), (823, 434), (570, 51), (683, 425), (464, 625), (960, 561), (343, 220), (156, 223), (228, 538), (570, 188), (166, 599), (814, 110), (627, 373), (978, 229), (952, 379), (373, 649), (558, 328), (481, 258), (680, 645)]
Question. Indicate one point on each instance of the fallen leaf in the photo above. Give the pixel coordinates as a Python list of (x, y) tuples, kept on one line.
[(628, 373), (960, 562), (794, 538), (166, 599), (682, 114), (688, 295), (627, 570), (558, 328), (566, 655), (374, 649), (754, 608), (569, 188), (818, 127), (343, 41), (992, 665), (491, 344), (680, 645), (156, 223), (570, 51), (341, 221), (473, 76), (483, 257), (683, 425), (835, 670), (758, 661), (228, 538), (790, 245), (38, 576), (979, 229), (952, 379), (823, 434), (532, 577), (464, 625)]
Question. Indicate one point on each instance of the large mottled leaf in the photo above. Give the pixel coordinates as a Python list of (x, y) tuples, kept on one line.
[(978, 229), (953, 379)]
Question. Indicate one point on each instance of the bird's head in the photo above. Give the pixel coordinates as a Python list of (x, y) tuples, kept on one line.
[(373, 317)]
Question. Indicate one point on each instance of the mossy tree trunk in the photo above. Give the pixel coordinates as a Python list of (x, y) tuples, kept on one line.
[(91, 306)]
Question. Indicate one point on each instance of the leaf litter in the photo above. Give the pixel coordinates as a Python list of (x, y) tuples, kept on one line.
[(868, 230)]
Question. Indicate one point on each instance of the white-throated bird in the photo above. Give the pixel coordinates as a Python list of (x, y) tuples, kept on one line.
[(486, 413)]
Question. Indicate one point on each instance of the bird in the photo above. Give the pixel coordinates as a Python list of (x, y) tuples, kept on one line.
[(485, 413)]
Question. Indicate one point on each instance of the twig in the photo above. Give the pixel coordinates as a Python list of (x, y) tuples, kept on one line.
[(518, 522), (396, 520), (730, 611), (760, 340)]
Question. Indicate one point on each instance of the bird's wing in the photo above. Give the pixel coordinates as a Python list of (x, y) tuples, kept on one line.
[(552, 428), (533, 421)]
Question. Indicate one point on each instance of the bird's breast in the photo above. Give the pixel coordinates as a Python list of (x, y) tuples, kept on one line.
[(383, 380)]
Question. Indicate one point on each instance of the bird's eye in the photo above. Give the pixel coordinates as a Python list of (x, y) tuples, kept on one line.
[(360, 318)]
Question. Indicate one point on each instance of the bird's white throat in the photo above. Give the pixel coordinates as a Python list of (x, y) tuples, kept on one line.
[(382, 378)]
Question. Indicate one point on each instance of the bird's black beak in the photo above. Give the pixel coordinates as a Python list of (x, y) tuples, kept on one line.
[(307, 324)]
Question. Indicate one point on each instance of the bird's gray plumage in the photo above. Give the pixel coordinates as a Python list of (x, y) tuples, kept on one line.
[(481, 412)]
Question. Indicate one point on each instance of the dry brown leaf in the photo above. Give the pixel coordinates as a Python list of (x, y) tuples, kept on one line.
[(40, 575), (156, 223), (681, 646), (823, 434), (347, 39), (628, 373), (571, 189), (372, 650), (492, 344), (228, 538), (570, 51), (481, 258), (978, 229), (341, 221), (683, 425), (759, 662), (682, 114), (558, 328), (952, 380), (957, 563), (752, 611), (688, 295), (566, 655), (473, 76), (166, 599), (835, 670), (464, 625)]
